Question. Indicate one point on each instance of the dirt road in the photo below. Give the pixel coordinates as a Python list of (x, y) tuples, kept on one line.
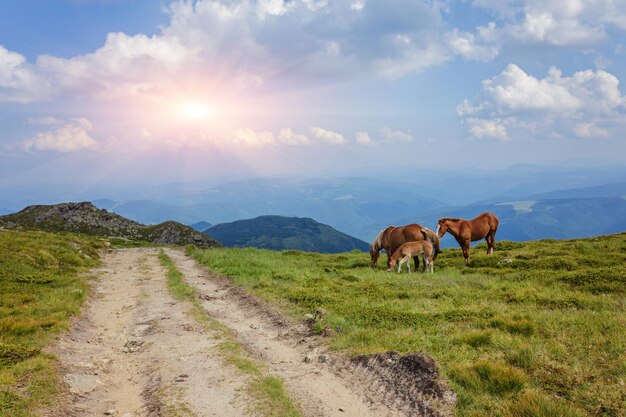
[(136, 351)]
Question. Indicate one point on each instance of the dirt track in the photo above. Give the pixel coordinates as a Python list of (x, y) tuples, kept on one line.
[(137, 352)]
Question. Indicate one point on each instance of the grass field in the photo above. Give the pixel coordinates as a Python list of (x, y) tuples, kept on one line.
[(543, 335), (40, 288)]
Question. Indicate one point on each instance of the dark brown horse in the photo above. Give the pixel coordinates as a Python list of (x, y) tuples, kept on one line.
[(466, 231), (393, 237)]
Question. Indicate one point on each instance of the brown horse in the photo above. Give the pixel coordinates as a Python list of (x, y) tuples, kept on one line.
[(411, 250), (466, 231), (391, 238)]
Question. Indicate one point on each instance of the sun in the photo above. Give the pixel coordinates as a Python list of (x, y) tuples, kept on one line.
[(195, 110)]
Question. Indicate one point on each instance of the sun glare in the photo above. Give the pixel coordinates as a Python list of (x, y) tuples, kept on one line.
[(195, 110)]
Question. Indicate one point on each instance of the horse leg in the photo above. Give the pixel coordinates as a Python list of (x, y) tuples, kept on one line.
[(406, 260), (416, 260), (466, 248), (489, 238)]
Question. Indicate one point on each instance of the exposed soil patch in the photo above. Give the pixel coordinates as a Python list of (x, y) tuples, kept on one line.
[(126, 354), (412, 381)]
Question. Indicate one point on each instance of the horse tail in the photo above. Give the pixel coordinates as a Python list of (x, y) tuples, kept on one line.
[(434, 239)]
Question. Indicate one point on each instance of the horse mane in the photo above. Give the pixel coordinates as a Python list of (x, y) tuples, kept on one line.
[(434, 239), (377, 243), (450, 219)]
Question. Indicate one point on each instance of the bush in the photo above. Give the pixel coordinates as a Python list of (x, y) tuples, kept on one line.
[(493, 377), (532, 404), (476, 339)]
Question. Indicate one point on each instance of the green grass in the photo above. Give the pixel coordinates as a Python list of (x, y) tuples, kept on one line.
[(534, 337), (270, 397), (40, 288)]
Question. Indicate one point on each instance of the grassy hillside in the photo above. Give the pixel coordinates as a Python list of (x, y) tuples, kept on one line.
[(279, 232), (40, 288), (542, 335)]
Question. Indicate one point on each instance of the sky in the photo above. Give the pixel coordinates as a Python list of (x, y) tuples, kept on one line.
[(161, 91)]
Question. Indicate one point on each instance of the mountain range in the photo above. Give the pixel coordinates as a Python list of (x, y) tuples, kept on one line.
[(533, 202), (280, 232)]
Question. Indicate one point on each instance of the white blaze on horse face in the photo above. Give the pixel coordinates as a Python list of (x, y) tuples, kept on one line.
[(438, 227)]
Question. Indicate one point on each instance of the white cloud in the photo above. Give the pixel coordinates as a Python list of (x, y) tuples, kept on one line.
[(363, 138), (124, 65), (589, 130), (580, 103), (244, 45), (487, 129), (270, 7), (253, 138), (288, 137), (327, 136), (467, 44), (70, 137), (358, 5), (515, 90), (395, 135), (558, 22), (18, 81)]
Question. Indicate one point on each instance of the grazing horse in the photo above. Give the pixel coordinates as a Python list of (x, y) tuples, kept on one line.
[(391, 238), (411, 250), (466, 231)]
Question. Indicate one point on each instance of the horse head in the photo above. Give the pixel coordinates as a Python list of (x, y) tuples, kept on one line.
[(374, 254), (442, 227)]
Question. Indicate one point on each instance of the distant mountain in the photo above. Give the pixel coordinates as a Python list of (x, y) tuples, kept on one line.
[(201, 226), (88, 219), (605, 190), (358, 206), (538, 219), (279, 232)]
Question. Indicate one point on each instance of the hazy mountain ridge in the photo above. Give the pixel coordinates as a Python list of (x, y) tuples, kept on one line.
[(201, 226), (539, 219), (279, 232), (88, 219), (362, 206)]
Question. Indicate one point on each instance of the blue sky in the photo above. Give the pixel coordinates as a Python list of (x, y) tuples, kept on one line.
[(186, 90)]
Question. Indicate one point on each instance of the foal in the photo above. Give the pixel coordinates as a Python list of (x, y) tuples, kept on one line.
[(410, 249)]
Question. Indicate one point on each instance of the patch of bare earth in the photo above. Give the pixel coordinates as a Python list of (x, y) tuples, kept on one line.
[(137, 352), (322, 383)]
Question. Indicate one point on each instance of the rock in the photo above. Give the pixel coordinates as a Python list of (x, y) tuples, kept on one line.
[(308, 359), (181, 378), (82, 384), (322, 358), (110, 412), (319, 313), (506, 261), (309, 316)]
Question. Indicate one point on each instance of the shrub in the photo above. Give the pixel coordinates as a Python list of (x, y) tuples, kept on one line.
[(533, 404), (514, 325), (476, 339), (493, 377)]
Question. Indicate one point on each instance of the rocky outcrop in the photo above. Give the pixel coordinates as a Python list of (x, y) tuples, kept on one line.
[(86, 218)]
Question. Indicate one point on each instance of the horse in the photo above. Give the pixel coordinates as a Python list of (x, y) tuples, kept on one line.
[(411, 250), (465, 231), (393, 237)]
